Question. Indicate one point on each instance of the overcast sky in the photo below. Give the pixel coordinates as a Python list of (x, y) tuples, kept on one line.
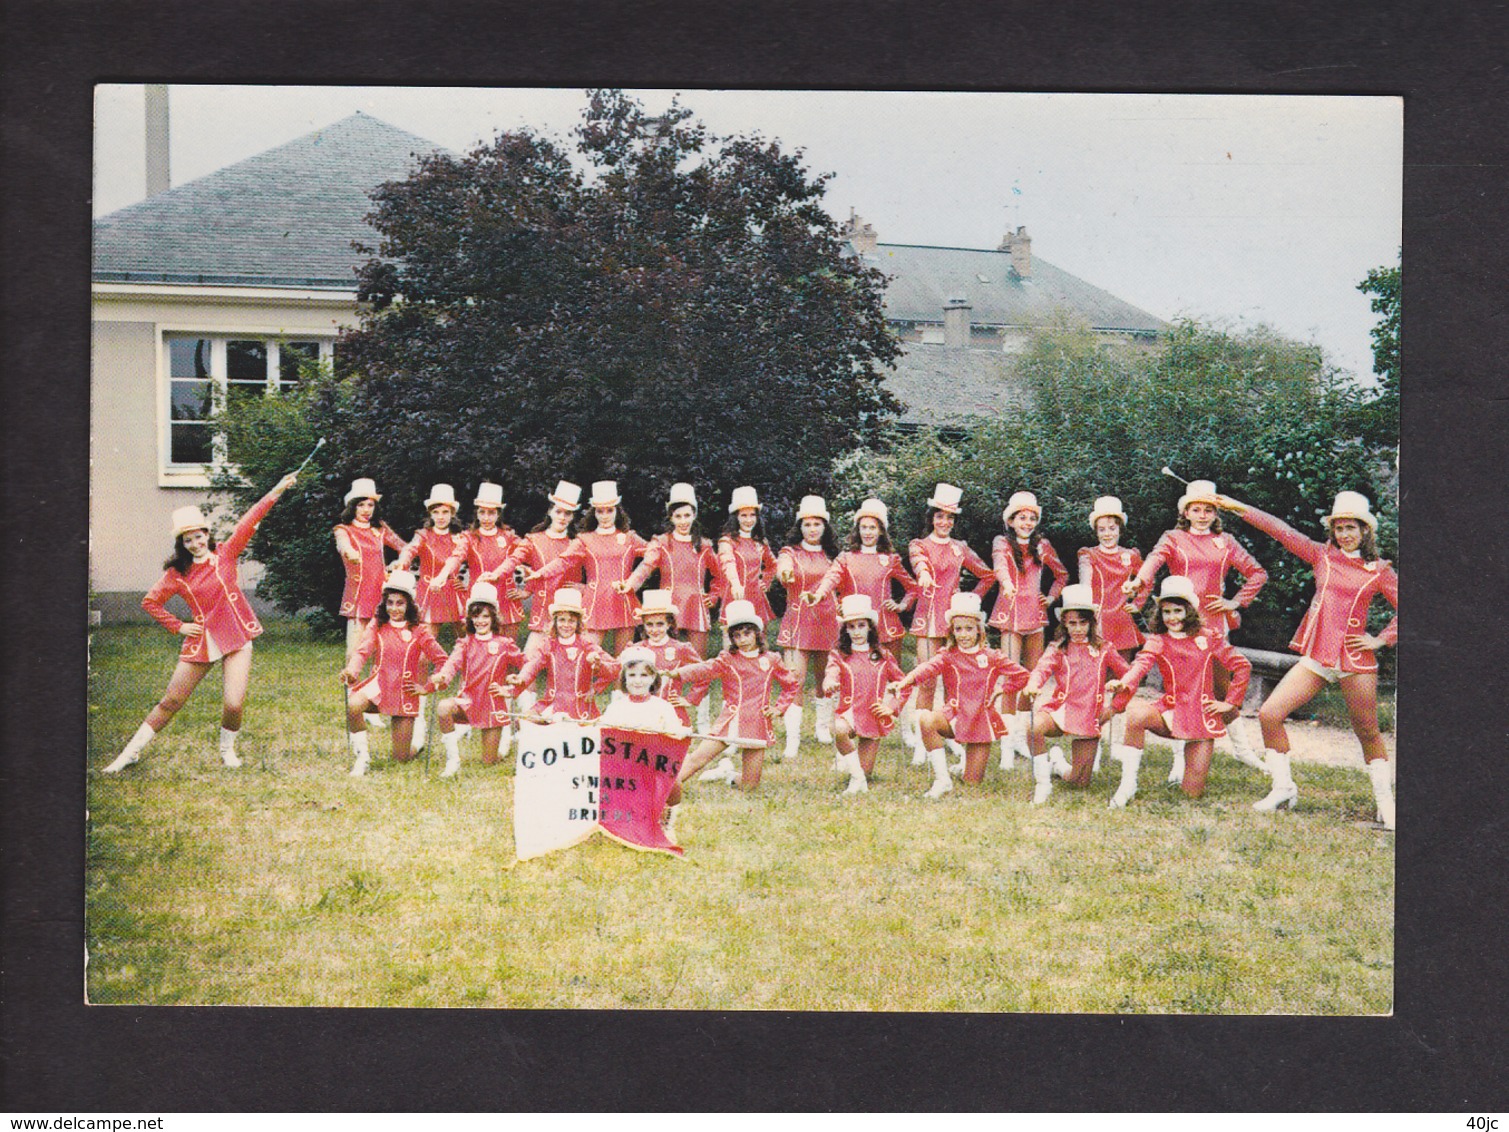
[(1234, 208)]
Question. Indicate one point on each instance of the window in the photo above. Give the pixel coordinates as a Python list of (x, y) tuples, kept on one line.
[(202, 368)]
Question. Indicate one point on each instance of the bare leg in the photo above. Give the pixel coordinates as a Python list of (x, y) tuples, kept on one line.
[(1197, 754), (869, 750), (702, 754), (976, 755), (181, 685), (1298, 687), (491, 737), (403, 738), (843, 737), (235, 670), (754, 762), (1084, 752), (1361, 694)]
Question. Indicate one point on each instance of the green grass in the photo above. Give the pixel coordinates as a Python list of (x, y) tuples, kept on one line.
[(286, 882)]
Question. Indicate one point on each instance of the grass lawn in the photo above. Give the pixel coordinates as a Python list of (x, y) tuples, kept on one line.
[(287, 882)]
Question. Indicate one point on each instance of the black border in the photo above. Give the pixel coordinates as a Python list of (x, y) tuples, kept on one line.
[(1444, 1049)]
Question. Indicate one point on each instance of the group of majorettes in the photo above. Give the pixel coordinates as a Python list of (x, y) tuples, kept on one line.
[(841, 622)]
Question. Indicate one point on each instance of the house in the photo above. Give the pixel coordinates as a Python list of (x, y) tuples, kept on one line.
[(220, 287)]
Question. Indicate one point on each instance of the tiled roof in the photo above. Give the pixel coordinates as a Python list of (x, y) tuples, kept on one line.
[(927, 277), (940, 384), (285, 217)]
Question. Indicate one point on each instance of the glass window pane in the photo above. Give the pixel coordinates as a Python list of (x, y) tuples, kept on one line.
[(292, 357), (238, 391), (246, 361), (191, 444), (191, 400), (189, 357)]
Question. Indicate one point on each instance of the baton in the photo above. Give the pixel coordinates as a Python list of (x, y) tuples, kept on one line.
[(309, 457), (1166, 470)]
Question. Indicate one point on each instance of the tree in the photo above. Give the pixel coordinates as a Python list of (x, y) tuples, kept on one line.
[(1382, 283), (683, 310)]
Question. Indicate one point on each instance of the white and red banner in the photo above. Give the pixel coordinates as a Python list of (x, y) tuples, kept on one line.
[(573, 780)]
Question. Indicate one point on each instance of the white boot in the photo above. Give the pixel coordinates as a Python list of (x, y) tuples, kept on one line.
[(857, 781), (1042, 777), (359, 749), (956, 749), (228, 748), (911, 730), (132, 751), (669, 824), (526, 701), (373, 720), (1056, 761), (942, 783), (822, 725), (793, 721), (463, 730), (1008, 748), (721, 771), (1130, 759), (451, 741), (1023, 729), (1284, 792), (956, 768), (1241, 745), (505, 743), (421, 728), (704, 716), (1382, 775), (1176, 768)]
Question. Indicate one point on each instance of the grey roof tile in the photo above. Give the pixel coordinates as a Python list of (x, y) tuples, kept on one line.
[(940, 385)]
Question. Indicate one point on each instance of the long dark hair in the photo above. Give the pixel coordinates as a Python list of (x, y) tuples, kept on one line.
[(1034, 540), (586, 522), (731, 526), (927, 523), (829, 540), (471, 612), (846, 646), (544, 524), (1061, 633), (1368, 548), (673, 633), (348, 516), (758, 632), (182, 559), (1193, 622), (669, 528), (410, 613), (882, 544), (477, 524)]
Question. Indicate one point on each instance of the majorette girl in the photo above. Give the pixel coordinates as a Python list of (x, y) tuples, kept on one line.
[(483, 657), (685, 560), (546, 541), (486, 550), (1197, 549), (642, 707), (440, 592), (1332, 640), (807, 632), (868, 567), (748, 565), (401, 647), (938, 561), (360, 538), (222, 625), (605, 548), (657, 621), (1104, 567), (858, 672), (576, 667), (1187, 655), (747, 671), (1076, 664), (971, 674)]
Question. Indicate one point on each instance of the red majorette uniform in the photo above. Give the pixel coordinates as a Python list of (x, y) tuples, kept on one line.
[(969, 689), (1187, 666), (482, 662), (1103, 571), (1204, 560), (683, 570), (606, 558), (214, 596), (438, 605), (871, 573), (1344, 588), (861, 683), (811, 628), (536, 551), (364, 579), (671, 655), (399, 654), (750, 560), (570, 683), (746, 691), (1024, 611), (1078, 672), (487, 553), (947, 559)]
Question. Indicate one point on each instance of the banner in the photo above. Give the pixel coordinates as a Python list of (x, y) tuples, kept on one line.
[(571, 780)]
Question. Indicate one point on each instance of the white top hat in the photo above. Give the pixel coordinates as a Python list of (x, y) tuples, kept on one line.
[(874, 509), (362, 489), (1020, 501), (1198, 491), (1352, 505), (965, 605), (744, 497), (441, 493), (489, 495), (853, 607), (682, 494), (1178, 588), (188, 519), (636, 654), (946, 498), (742, 613), (1078, 596), (566, 494), (402, 581), (1107, 507), (566, 600), (604, 494), (485, 592), (655, 601), (813, 507)]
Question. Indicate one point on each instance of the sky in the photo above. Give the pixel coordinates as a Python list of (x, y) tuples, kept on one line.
[(1235, 209)]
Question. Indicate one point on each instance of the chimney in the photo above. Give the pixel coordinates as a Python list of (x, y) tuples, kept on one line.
[(1019, 244), (157, 138), (956, 323), (859, 233)]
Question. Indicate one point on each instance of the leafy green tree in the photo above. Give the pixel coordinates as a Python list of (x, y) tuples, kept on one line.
[(1382, 283)]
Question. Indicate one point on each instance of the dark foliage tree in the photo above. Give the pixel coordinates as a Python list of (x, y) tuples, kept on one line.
[(1382, 283)]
